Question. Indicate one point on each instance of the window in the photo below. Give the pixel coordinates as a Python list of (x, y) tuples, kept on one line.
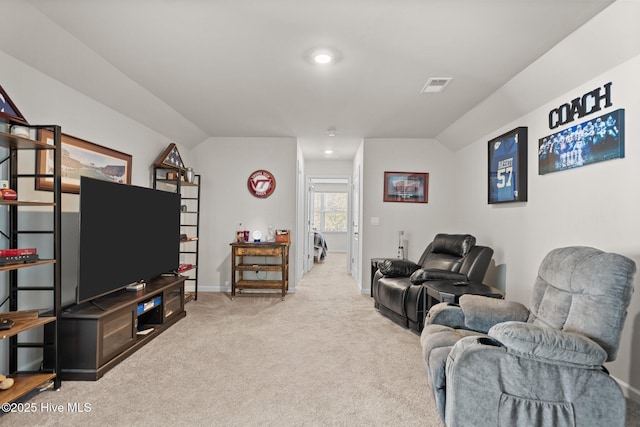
[(330, 211)]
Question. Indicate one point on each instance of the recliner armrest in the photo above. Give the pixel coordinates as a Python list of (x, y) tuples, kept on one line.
[(481, 312), (393, 267), (446, 314), (422, 275), (563, 348)]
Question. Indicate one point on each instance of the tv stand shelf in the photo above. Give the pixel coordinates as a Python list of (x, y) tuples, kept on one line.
[(98, 336)]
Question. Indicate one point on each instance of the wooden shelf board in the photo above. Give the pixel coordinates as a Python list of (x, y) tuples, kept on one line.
[(25, 203), (23, 323), (258, 284), (24, 384), (259, 267), (26, 264), (13, 141), (174, 182)]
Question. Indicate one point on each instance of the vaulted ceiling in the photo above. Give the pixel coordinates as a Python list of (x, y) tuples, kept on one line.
[(193, 69)]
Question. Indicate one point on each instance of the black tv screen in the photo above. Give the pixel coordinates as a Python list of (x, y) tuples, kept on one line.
[(127, 234)]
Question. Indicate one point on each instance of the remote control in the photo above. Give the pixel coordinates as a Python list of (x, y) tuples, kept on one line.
[(6, 324)]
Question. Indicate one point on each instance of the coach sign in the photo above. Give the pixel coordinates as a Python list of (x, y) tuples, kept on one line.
[(588, 103)]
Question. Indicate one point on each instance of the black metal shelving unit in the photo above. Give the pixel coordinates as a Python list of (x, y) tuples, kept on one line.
[(189, 222), (38, 325)]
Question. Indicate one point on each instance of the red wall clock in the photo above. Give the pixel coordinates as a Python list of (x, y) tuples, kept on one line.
[(261, 184)]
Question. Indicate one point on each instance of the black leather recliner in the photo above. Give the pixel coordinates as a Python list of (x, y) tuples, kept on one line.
[(397, 285)]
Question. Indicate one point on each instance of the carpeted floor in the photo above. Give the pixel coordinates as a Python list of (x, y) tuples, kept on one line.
[(323, 357)]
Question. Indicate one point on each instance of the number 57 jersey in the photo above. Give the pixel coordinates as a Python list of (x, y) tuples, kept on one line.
[(503, 170)]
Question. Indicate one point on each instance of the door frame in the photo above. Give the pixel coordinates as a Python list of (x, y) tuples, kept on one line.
[(310, 191)]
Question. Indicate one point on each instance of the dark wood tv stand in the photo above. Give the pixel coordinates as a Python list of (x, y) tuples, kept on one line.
[(93, 338)]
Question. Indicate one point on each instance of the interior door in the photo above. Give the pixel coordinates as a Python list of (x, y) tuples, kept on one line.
[(308, 260), (355, 224)]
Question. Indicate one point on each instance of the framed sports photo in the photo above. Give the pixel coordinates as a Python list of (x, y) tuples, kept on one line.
[(81, 158), (508, 167), (406, 187), (592, 141)]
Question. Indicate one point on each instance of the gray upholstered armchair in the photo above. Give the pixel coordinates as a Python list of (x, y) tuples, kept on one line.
[(495, 362)]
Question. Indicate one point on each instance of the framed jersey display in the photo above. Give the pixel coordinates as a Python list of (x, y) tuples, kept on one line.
[(508, 167)]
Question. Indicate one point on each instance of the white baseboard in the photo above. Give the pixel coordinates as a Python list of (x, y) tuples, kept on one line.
[(211, 288), (629, 391), (225, 289)]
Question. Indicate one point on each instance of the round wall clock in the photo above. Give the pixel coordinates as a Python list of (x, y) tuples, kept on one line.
[(261, 183)]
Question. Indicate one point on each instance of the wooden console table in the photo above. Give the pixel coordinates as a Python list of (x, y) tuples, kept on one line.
[(245, 268)]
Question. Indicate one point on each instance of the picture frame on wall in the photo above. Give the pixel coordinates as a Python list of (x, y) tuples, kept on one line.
[(8, 110), (406, 187), (507, 163), (81, 158), (592, 141)]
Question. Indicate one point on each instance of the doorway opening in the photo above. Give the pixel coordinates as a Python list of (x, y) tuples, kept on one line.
[(328, 219)]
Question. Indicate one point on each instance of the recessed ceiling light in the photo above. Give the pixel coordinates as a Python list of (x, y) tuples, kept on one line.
[(322, 55), (323, 58), (332, 132), (327, 152)]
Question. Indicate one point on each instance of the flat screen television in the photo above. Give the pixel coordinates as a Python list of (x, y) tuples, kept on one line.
[(127, 234)]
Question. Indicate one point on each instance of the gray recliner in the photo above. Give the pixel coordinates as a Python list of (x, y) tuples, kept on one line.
[(495, 362)]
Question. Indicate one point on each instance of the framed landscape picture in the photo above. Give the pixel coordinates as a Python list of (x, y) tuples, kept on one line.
[(508, 167), (81, 158), (407, 187)]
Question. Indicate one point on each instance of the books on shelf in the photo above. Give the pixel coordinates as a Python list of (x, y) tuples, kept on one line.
[(184, 267), (18, 256)]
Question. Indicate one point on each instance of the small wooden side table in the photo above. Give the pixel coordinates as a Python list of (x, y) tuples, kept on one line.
[(276, 259)]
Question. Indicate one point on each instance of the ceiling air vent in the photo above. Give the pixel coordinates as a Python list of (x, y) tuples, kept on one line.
[(435, 84)]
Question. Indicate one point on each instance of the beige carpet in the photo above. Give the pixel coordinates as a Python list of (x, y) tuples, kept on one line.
[(323, 357)]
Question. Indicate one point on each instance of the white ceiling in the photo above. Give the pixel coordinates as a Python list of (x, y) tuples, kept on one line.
[(193, 69)]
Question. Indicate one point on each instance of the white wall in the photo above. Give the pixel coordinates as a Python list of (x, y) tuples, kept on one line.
[(43, 100), (225, 165), (300, 213), (328, 168), (357, 204), (419, 221), (595, 205)]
